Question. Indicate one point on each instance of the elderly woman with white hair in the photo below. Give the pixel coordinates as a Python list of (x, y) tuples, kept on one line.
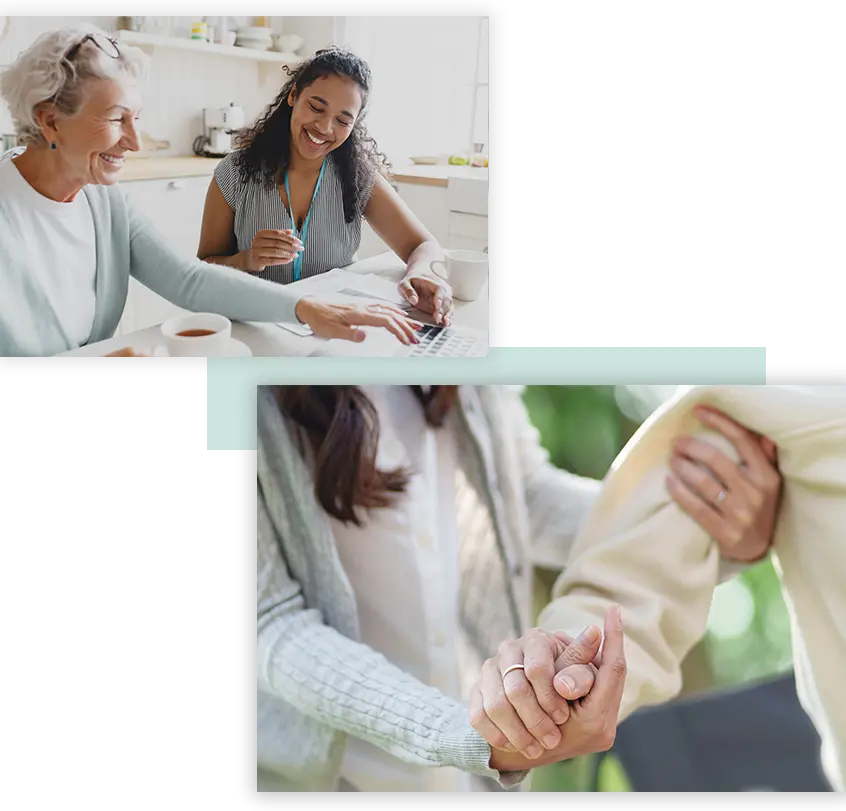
[(67, 257)]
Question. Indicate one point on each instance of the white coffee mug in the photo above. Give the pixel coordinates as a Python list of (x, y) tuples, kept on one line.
[(183, 345), (466, 272)]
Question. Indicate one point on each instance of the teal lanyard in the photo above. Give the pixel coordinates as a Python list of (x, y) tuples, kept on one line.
[(298, 260)]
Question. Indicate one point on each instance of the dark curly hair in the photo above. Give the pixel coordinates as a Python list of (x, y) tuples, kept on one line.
[(264, 147)]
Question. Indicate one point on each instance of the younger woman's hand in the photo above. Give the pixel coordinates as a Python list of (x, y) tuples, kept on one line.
[(522, 709), (430, 294), (592, 726), (272, 247), (736, 503)]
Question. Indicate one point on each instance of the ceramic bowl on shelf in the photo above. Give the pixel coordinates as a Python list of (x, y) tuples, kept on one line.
[(424, 160), (252, 44), (287, 43), (251, 36)]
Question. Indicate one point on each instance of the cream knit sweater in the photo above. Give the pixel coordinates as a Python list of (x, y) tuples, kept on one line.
[(637, 548)]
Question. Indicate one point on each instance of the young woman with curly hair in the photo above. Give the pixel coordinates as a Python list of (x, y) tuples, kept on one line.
[(288, 203)]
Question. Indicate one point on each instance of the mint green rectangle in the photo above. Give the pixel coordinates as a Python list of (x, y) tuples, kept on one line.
[(231, 382)]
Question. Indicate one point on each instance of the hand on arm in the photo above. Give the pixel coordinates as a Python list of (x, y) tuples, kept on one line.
[(736, 503)]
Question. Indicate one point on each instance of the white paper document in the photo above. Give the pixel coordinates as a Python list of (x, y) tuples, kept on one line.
[(342, 287)]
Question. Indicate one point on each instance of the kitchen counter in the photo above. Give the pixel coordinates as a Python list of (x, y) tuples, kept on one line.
[(166, 168), (192, 166), (439, 175)]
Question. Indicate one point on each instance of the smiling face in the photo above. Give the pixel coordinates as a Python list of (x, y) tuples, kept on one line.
[(323, 115), (91, 144)]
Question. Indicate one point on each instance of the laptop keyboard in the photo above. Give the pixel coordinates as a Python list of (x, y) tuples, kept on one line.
[(443, 343)]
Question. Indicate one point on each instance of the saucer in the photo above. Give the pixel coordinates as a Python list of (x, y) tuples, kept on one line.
[(234, 349)]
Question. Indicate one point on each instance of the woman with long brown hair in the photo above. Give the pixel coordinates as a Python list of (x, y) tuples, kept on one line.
[(396, 528)]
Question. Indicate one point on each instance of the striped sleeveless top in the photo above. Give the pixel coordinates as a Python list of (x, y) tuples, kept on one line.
[(331, 243)]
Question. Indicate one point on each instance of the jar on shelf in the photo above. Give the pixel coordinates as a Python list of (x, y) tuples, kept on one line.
[(479, 156), (130, 23)]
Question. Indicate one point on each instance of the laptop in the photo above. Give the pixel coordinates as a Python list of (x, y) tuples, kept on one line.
[(343, 287)]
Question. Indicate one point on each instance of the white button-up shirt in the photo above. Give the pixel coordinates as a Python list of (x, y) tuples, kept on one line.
[(403, 567)]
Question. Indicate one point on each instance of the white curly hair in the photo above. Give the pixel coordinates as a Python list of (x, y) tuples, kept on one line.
[(43, 73)]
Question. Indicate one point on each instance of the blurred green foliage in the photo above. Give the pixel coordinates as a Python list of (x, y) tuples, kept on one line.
[(748, 638)]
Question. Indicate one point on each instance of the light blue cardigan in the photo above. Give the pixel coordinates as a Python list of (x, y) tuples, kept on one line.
[(127, 245)]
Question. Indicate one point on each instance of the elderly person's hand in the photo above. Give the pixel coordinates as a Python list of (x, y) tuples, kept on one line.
[(737, 504), (591, 720), (342, 320), (430, 294)]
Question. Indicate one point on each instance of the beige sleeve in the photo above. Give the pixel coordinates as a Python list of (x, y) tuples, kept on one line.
[(638, 549)]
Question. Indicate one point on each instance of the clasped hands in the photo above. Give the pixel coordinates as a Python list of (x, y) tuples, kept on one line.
[(562, 703)]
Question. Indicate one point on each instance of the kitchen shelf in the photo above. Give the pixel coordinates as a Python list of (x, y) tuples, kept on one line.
[(151, 41)]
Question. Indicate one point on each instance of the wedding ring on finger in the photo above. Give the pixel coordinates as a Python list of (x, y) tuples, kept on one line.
[(721, 496), (510, 669)]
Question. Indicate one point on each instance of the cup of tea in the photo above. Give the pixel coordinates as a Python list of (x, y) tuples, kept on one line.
[(197, 335), (466, 272)]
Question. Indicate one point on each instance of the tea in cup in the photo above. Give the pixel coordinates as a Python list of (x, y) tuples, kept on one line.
[(197, 335)]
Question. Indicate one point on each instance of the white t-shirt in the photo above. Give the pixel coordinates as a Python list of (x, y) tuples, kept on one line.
[(403, 568), (61, 247)]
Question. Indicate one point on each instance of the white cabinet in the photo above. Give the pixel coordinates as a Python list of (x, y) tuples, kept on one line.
[(468, 195), (176, 209), (429, 204), (442, 209), (468, 213), (468, 231)]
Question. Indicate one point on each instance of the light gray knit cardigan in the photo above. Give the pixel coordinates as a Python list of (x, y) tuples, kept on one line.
[(316, 682)]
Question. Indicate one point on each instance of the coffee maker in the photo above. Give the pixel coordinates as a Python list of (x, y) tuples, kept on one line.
[(219, 124)]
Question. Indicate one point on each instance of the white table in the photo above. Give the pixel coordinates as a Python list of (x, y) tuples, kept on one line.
[(269, 340)]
